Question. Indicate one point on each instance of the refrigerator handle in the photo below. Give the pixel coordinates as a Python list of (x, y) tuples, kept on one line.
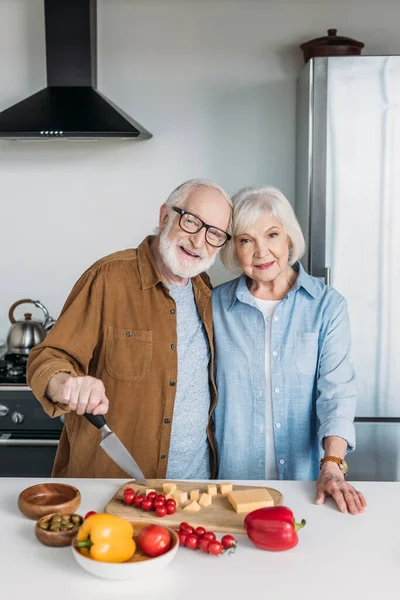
[(327, 278)]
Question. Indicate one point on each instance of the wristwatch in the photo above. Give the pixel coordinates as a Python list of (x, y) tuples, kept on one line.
[(341, 463)]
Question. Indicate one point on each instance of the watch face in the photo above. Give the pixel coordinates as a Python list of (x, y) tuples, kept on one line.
[(345, 467)]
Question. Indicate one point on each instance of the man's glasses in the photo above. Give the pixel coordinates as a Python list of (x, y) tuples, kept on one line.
[(191, 224)]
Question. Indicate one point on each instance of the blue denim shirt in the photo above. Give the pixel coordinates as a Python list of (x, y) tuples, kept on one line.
[(313, 385)]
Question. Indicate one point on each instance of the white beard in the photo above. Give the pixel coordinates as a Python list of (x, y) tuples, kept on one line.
[(177, 263)]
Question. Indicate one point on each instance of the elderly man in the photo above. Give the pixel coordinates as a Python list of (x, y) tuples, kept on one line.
[(134, 340)]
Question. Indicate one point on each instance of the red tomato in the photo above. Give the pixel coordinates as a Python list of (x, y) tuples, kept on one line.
[(186, 528), (228, 541), (137, 501), (215, 548), (160, 498), (129, 495), (209, 536), (151, 495), (91, 512), (161, 511), (204, 545), (158, 503), (147, 504), (170, 508), (182, 537), (192, 541), (200, 531), (154, 540), (171, 501)]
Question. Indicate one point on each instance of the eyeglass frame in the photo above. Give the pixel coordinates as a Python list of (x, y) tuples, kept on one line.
[(182, 212)]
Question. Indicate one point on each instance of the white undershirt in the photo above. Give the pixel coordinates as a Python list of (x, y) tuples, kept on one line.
[(267, 307)]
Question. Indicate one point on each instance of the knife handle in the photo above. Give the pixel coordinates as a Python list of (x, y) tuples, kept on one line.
[(96, 420)]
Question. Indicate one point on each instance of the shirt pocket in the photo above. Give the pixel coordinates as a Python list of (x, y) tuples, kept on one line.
[(306, 352), (128, 353)]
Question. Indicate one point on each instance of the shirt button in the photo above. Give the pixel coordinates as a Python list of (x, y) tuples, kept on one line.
[(167, 421), (276, 390), (172, 383), (173, 347), (282, 462), (277, 425), (163, 456), (172, 311), (276, 318), (274, 353), (129, 334)]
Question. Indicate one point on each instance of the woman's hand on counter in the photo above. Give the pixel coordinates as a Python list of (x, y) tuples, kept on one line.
[(331, 482)]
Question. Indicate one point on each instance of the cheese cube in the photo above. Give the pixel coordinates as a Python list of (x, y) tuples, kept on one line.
[(244, 501), (193, 507), (205, 500), (225, 488), (148, 491), (212, 489), (168, 487), (180, 496), (169, 496), (195, 495)]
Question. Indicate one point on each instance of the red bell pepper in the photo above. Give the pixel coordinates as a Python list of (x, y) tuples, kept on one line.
[(273, 528)]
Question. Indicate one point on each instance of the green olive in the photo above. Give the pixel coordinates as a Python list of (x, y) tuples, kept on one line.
[(44, 525), (76, 519)]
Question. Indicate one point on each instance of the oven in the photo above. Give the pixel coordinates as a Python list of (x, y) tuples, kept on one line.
[(28, 436)]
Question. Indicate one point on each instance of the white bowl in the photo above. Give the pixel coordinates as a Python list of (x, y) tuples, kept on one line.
[(128, 570)]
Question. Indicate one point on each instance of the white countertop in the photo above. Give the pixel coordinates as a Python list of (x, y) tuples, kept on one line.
[(338, 556)]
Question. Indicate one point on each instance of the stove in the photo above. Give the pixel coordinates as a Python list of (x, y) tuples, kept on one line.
[(28, 436), (13, 369)]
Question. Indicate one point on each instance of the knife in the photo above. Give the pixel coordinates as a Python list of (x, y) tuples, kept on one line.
[(115, 448)]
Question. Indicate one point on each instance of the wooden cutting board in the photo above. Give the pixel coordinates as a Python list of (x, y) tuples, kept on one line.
[(220, 516)]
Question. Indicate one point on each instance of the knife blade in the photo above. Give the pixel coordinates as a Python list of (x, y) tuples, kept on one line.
[(115, 449)]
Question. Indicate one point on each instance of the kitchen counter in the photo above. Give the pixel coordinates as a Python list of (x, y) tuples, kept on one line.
[(337, 555)]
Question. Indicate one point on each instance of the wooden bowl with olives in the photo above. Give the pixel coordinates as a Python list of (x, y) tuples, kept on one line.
[(58, 529)]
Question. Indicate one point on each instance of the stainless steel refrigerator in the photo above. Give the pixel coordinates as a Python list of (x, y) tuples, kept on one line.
[(348, 204)]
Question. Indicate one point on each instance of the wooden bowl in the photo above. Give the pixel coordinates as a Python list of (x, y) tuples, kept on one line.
[(48, 498), (56, 539), (139, 567)]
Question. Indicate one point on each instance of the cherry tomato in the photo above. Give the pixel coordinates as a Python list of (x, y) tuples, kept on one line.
[(171, 501), (200, 531), (160, 498), (228, 541), (90, 513), (147, 504), (154, 540), (186, 528), (129, 495), (215, 548), (204, 545), (161, 511), (182, 537), (158, 503), (170, 508), (137, 501), (192, 541), (209, 536), (151, 495)]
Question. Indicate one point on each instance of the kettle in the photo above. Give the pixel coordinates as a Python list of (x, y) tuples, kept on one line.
[(24, 335)]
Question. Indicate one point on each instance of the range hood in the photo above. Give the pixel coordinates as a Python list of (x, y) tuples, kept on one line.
[(70, 106)]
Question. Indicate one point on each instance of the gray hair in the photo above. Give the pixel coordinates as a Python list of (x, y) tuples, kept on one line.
[(249, 204), (183, 191)]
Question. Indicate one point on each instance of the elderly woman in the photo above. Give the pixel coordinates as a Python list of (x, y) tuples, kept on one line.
[(287, 393)]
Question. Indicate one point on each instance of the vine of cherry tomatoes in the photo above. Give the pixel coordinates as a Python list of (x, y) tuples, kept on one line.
[(198, 538), (152, 501)]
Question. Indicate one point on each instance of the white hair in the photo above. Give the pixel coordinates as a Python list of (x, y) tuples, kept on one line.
[(249, 204), (183, 191)]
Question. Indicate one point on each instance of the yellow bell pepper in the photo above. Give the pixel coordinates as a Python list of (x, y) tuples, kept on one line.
[(108, 538)]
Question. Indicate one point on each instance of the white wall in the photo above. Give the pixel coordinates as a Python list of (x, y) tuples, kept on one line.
[(213, 80)]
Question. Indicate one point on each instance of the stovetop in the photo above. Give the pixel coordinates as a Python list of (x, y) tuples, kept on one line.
[(13, 369)]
